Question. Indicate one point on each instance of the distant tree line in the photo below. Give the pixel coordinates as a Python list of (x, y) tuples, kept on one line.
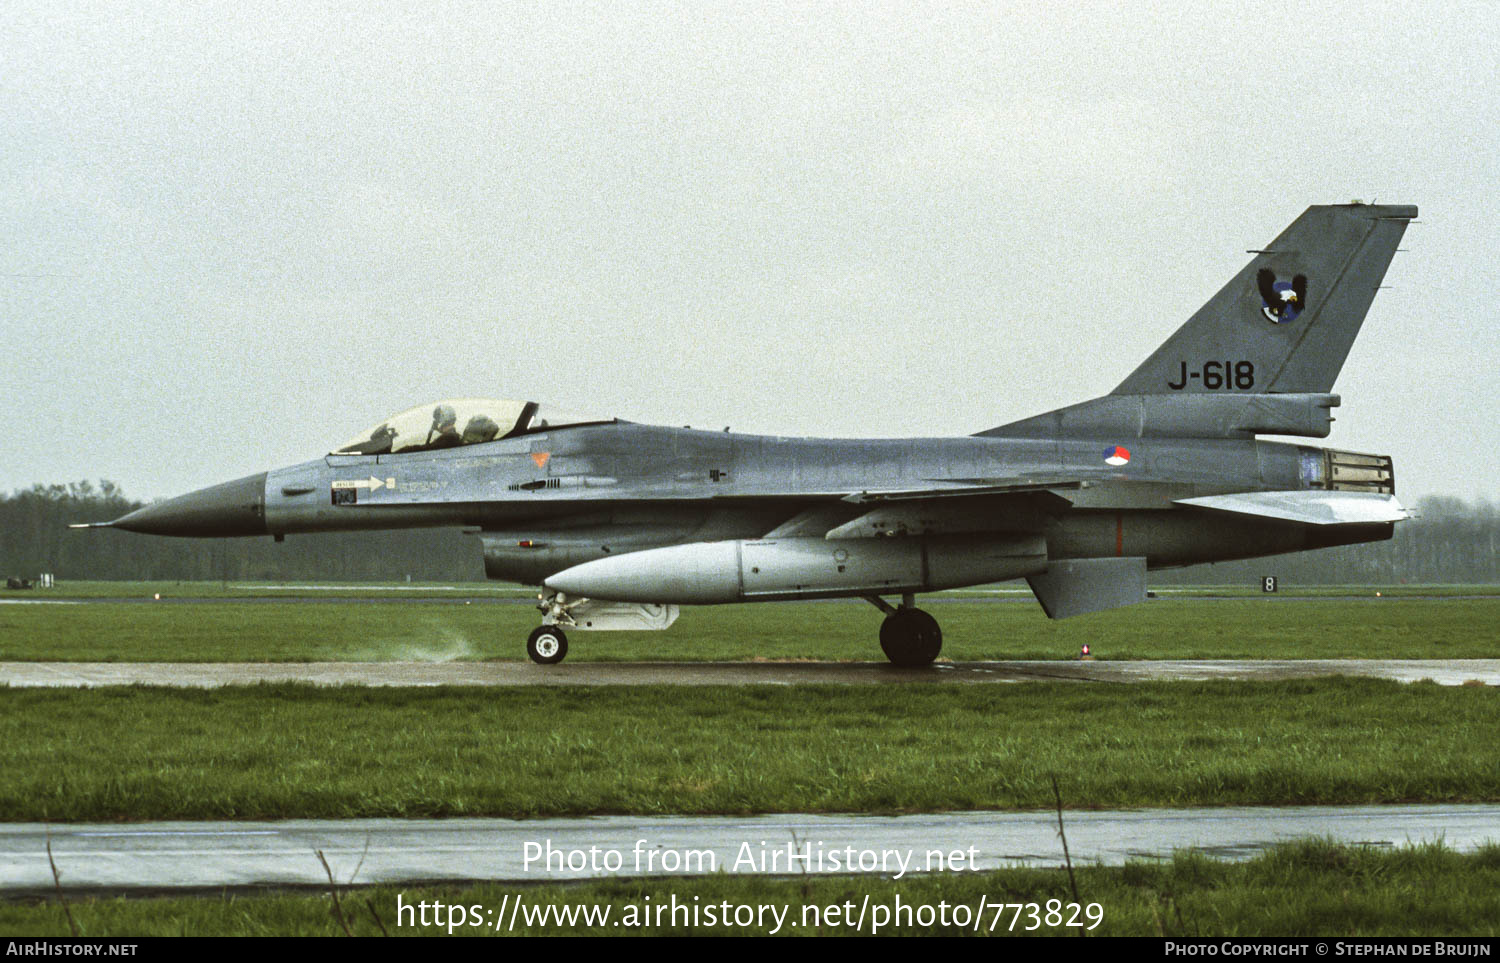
[(1450, 541)]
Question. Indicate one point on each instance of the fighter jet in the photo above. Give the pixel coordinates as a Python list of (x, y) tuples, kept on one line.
[(621, 523)]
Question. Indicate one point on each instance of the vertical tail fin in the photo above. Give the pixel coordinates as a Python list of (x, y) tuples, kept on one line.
[(1286, 322)]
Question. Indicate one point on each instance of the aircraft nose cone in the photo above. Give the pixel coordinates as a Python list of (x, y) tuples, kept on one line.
[(233, 508)]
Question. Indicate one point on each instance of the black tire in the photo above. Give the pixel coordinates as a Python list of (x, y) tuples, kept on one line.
[(547, 645), (911, 638)]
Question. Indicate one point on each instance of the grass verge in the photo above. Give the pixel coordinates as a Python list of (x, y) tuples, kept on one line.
[(269, 752), (1177, 628), (1311, 888)]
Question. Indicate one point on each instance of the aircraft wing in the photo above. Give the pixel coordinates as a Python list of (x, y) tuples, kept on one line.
[(1307, 506), (959, 509), (988, 487)]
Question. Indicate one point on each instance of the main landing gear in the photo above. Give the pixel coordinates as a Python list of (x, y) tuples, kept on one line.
[(908, 636)]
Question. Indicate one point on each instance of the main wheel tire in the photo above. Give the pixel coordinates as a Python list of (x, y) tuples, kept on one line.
[(910, 638), (547, 645)]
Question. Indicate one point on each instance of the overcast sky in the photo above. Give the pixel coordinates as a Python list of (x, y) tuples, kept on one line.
[(234, 235)]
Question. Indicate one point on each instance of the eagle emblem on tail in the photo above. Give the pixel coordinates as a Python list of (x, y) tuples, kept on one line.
[(1281, 301)]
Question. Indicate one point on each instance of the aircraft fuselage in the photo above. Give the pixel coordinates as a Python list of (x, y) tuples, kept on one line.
[(547, 501)]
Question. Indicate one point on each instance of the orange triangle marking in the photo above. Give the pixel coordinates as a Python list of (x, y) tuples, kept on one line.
[(540, 457)]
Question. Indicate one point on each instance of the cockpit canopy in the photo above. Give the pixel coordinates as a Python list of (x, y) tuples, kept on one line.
[(459, 421)]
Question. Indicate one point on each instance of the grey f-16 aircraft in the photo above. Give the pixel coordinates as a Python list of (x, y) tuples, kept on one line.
[(620, 523)]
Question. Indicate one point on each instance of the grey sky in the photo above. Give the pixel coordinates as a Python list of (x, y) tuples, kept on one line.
[(235, 235)]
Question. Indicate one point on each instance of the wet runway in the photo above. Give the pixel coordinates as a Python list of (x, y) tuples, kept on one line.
[(215, 674), (155, 856)]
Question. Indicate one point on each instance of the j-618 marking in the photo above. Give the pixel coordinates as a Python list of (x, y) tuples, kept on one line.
[(1217, 375)]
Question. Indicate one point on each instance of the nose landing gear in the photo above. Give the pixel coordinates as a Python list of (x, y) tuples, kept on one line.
[(909, 637), (547, 645)]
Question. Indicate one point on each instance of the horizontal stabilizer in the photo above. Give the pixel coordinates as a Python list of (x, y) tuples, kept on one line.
[(1082, 585), (1308, 507)]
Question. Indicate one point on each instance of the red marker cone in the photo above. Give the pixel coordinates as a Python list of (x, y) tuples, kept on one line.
[(1085, 653)]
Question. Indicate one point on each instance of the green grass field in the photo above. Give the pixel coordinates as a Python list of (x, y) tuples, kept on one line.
[(1311, 888), (1164, 628), (269, 752), (266, 752)]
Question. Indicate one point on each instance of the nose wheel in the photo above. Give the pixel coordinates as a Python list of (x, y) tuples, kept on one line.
[(547, 645)]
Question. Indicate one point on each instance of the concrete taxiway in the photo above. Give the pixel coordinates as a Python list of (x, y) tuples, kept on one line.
[(155, 856), (215, 674)]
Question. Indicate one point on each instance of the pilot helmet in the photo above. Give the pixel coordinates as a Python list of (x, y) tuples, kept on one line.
[(480, 428)]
